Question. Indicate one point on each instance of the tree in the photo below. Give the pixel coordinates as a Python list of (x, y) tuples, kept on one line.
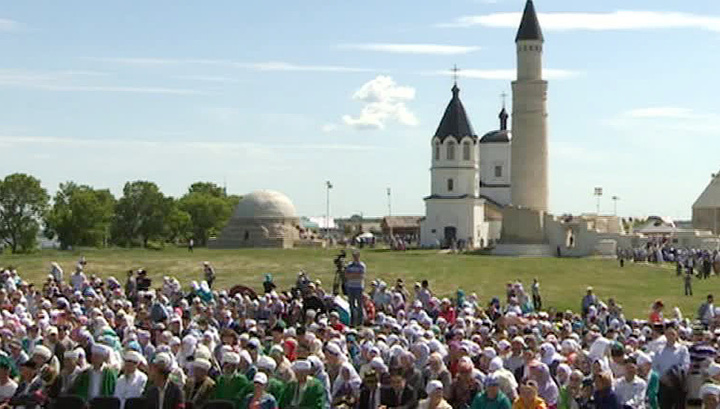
[(23, 203), (209, 209), (80, 216), (178, 225), (140, 214)]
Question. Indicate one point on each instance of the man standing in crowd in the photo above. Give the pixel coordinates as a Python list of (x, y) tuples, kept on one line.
[(209, 273), (131, 383), (163, 393), (354, 286), (672, 364)]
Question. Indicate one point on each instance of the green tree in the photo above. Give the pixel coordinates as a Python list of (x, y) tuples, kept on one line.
[(140, 214), (80, 215), (23, 203), (209, 208), (178, 225)]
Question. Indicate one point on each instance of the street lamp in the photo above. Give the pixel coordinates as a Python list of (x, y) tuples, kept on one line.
[(598, 193), (328, 186), (615, 200)]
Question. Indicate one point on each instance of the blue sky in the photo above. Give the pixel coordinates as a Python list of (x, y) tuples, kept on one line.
[(285, 95)]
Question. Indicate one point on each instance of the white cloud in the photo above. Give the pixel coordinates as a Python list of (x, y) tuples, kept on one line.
[(216, 146), (436, 49), (253, 66), (74, 81), (616, 20), (666, 112), (327, 128), (207, 78), (384, 101), (505, 74), (9, 25)]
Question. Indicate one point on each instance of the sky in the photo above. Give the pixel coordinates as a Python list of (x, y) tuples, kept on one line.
[(287, 95)]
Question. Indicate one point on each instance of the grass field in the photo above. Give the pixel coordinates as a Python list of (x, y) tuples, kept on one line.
[(562, 281)]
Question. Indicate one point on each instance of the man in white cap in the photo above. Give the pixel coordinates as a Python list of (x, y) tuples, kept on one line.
[(267, 366), (131, 383), (69, 372), (305, 392), (231, 384), (163, 393), (99, 379), (710, 395), (200, 387), (259, 397)]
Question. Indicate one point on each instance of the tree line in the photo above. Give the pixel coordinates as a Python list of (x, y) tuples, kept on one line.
[(80, 215)]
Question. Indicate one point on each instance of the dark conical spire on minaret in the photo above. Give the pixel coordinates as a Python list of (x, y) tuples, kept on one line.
[(503, 119), (455, 122), (529, 26)]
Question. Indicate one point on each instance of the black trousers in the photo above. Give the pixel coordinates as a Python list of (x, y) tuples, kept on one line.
[(670, 397)]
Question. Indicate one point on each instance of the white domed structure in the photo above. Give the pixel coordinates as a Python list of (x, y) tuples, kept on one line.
[(264, 204), (264, 218)]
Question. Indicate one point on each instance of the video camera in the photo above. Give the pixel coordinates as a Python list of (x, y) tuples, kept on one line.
[(339, 281)]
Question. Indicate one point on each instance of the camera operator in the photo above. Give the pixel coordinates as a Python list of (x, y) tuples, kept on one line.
[(339, 281)]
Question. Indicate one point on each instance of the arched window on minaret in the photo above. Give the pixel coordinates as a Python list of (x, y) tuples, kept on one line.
[(451, 150), (466, 150), (437, 150)]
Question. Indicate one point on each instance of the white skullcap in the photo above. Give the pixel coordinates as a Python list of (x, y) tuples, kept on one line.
[(433, 386), (231, 358), (301, 365), (709, 389), (642, 358), (503, 345), (133, 356), (42, 351), (72, 354), (260, 378), (163, 359), (267, 363), (333, 349), (713, 370), (489, 353), (101, 350), (245, 356), (496, 364), (202, 364), (189, 340)]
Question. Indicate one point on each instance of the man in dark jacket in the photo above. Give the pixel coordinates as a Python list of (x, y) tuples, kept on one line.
[(161, 393), (398, 394), (30, 392)]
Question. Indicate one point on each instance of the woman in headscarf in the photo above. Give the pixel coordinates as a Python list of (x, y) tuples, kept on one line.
[(346, 388), (421, 351), (290, 349), (283, 371), (436, 370), (435, 397), (547, 389), (529, 398), (506, 379), (318, 372), (550, 357)]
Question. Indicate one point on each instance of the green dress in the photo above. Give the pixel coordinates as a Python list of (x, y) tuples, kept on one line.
[(313, 398), (107, 383), (481, 401), (651, 393), (232, 388)]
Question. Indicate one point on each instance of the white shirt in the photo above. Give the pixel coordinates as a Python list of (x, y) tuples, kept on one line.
[(77, 281), (631, 393), (95, 383), (8, 390), (671, 355), (131, 386)]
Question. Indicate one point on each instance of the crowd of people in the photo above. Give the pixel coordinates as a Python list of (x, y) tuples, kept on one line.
[(139, 345)]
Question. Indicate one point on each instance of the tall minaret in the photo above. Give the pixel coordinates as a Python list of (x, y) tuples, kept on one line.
[(529, 172)]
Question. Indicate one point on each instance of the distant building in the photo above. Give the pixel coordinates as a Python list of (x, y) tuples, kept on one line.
[(706, 209), (401, 225), (357, 224), (264, 218)]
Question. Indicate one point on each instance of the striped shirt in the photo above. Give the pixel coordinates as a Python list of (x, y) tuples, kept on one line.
[(355, 275)]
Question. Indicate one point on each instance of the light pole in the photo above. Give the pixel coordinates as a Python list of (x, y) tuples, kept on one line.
[(328, 186), (389, 195), (615, 200), (598, 193)]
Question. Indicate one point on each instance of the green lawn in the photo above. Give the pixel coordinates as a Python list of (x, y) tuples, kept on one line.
[(562, 281)]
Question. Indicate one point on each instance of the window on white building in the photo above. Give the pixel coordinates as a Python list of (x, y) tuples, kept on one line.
[(451, 185), (466, 151), (451, 151), (498, 171), (437, 150)]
